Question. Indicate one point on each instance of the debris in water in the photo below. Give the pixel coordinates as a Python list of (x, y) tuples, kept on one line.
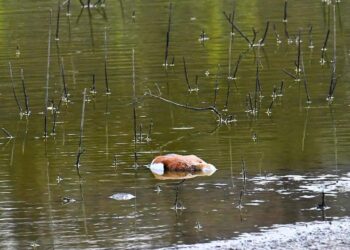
[(67, 200), (122, 196)]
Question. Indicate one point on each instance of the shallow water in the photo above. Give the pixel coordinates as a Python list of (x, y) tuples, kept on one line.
[(290, 156)]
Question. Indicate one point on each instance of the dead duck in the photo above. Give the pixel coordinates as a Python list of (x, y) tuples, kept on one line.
[(180, 163)]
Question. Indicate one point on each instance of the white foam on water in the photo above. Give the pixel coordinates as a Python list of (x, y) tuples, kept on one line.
[(303, 235)]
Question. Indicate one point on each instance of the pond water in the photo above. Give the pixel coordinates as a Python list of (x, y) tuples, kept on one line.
[(290, 155)]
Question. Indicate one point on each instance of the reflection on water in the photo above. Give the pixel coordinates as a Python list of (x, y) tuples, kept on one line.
[(292, 150), (181, 175)]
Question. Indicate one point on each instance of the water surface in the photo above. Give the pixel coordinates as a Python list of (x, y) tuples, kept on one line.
[(290, 156)]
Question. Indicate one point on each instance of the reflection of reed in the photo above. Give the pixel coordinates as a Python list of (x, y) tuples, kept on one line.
[(335, 138), (134, 102), (181, 175), (47, 75), (304, 131), (80, 147)]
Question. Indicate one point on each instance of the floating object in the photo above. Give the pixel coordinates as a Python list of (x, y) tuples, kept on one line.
[(67, 200), (165, 164), (122, 196)]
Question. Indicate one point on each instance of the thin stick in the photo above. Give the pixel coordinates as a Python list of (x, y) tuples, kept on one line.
[(168, 37), (93, 87), (82, 121), (250, 102), (299, 51), (53, 132), (237, 64), (58, 20), (47, 74), (257, 81), (13, 90), (196, 82), (26, 98), (281, 88), (186, 74), (285, 11), (237, 29), (324, 47), (216, 89), (232, 20), (9, 136), (257, 86), (289, 74), (209, 108), (305, 80), (311, 45), (108, 91), (326, 40), (269, 110), (244, 171), (323, 203), (334, 64), (254, 35), (65, 90), (265, 33), (68, 8)]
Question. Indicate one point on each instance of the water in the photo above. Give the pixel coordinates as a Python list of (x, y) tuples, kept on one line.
[(291, 156)]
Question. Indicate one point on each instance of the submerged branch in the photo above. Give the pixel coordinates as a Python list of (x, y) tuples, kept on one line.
[(209, 108)]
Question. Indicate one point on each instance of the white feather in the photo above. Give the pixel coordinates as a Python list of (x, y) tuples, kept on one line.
[(157, 168), (209, 169)]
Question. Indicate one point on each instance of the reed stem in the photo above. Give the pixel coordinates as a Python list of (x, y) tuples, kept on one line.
[(58, 20), (237, 64), (26, 98), (305, 80), (14, 90), (262, 41), (65, 90), (108, 91), (186, 74), (285, 11), (7, 133), (168, 37)]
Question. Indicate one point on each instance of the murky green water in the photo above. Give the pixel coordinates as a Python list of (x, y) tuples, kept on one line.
[(291, 156)]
